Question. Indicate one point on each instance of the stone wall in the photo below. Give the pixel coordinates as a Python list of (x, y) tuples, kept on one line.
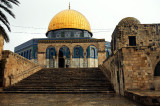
[(145, 34), (138, 72), (113, 70), (1, 45), (132, 68), (16, 68), (135, 54)]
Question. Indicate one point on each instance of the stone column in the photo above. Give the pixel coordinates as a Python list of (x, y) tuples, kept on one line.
[(54, 61), (64, 57), (57, 60), (47, 63), (70, 59), (84, 62)]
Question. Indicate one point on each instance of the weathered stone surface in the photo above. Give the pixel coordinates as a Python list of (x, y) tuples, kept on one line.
[(16, 68), (64, 80), (1, 46), (133, 61)]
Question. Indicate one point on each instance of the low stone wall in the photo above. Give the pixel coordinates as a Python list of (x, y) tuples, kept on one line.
[(145, 98), (16, 68), (111, 67)]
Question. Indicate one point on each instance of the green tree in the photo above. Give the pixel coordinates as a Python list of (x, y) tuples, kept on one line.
[(6, 6)]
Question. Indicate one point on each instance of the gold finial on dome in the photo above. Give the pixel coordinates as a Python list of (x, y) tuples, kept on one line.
[(69, 6)]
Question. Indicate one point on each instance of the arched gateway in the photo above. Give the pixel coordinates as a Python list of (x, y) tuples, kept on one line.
[(64, 57)]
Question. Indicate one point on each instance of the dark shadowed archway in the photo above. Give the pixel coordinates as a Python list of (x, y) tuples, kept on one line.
[(64, 57), (61, 59), (157, 70)]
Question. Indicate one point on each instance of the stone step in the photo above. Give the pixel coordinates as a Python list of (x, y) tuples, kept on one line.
[(66, 77), (57, 85), (70, 80), (60, 89), (51, 87), (65, 81), (66, 74), (58, 92)]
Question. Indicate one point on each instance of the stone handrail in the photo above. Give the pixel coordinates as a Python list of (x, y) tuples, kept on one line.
[(105, 71)]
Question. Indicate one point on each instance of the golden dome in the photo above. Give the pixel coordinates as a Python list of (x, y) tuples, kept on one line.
[(128, 21), (69, 19)]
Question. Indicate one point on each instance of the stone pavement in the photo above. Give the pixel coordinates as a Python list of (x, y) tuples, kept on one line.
[(64, 100), (145, 97)]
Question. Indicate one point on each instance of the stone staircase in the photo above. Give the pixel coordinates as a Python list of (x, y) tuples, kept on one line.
[(64, 80)]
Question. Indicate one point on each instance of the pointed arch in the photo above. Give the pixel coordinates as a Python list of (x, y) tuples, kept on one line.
[(50, 52), (50, 56), (78, 52), (64, 56), (66, 51), (92, 52), (78, 56), (92, 56)]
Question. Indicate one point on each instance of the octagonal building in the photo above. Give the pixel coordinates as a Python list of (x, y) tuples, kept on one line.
[(69, 43)]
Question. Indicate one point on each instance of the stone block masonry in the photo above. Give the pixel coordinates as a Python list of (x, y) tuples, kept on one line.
[(16, 68), (132, 68), (134, 63), (1, 45)]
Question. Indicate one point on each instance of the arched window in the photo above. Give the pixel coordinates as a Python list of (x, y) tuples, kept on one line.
[(78, 52), (50, 57), (91, 52), (50, 52), (157, 70)]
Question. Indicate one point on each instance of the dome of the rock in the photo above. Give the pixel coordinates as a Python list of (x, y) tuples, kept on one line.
[(69, 19)]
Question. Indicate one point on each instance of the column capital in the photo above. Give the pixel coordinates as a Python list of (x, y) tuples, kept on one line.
[(85, 51)]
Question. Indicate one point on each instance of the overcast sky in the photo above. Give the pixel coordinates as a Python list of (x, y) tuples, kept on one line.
[(33, 16)]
